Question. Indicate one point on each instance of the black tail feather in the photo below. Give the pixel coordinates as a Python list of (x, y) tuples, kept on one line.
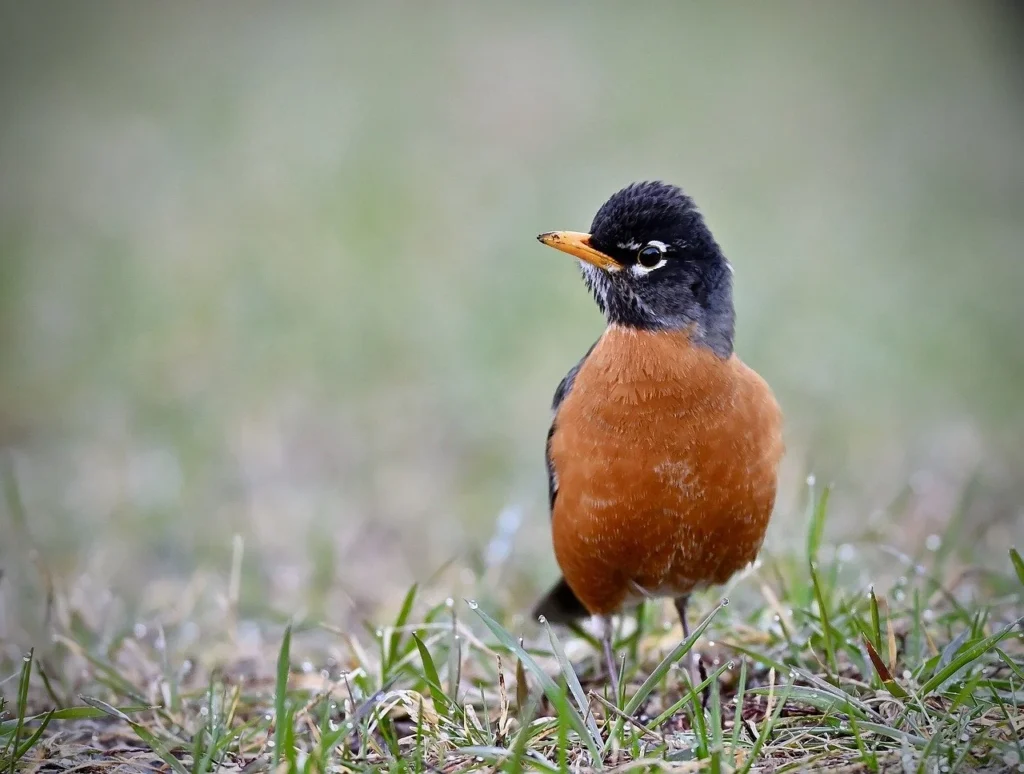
[(560, 605)]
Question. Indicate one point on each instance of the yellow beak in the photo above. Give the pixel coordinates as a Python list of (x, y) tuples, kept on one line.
[(578, 244)]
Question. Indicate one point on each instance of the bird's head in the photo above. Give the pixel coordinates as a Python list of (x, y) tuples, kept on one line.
[(652, 263)]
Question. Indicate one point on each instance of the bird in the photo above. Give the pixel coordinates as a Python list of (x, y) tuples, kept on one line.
[(664, 447)]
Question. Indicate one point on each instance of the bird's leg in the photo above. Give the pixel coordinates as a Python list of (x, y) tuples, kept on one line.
[(697, 672), (609, 657)]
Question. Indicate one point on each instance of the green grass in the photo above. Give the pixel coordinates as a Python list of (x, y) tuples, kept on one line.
[(816, 671)]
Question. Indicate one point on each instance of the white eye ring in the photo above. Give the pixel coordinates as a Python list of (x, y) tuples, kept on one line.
[(639, 268)]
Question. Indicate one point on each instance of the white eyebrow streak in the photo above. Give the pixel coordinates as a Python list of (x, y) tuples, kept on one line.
[(629, 245), (660, 245)]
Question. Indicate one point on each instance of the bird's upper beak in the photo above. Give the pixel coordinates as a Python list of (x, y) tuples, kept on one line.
[(578, 244)]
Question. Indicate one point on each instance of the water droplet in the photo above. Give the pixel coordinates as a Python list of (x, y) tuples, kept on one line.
[(711, 643), (965, 737), (325, 674), (204, 711), (845, 552), (907, 674), (449, 602), (473, 605), (139, 630), (268, 716), (542, 619), (307, 667), (811, 479), (731, 665), (776, 618), (270, 743), (933, 542), (380, 634), (725, 601)]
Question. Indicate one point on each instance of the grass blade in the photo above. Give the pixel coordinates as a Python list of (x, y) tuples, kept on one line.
[(441, 702), (688, 698), (876, 628), (766, 729), (20, 752), (826, 626), (888, 681), (816, 528), (1018, 564), (159, 748), (573, 682), (557, 697), (967, 656), (522, 689), (741, 690), (22, 708), (281, 693), (677, 653), (70, 713), (142, 732), (952, 649), (522, 740), (395, 641)]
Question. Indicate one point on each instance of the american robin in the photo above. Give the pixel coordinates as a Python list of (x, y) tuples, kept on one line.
[(664, 449)]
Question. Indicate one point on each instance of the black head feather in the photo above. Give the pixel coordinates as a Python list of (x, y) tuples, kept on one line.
[(649, 210)]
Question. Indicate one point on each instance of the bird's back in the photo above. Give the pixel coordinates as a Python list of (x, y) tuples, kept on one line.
[(666, 458)]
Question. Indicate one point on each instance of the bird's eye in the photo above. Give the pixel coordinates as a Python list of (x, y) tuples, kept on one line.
[(650, 256)]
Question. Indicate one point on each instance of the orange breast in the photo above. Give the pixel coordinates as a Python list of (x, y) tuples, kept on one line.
[(666, 459)]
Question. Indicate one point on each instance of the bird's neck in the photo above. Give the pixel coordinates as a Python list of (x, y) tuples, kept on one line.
[(709, 321)]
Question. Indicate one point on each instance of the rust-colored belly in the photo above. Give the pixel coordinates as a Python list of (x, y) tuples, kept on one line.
[(666, 458)]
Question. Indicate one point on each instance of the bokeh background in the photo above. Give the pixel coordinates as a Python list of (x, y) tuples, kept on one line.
[(270, 272)]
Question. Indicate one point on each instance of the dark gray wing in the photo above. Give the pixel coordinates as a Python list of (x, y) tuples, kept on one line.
[(564, 387), (560, 604)]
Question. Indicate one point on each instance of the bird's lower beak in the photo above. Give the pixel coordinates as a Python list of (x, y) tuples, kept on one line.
[(577, 244)]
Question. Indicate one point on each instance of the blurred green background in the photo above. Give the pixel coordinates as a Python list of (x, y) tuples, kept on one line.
[(270, 271)]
